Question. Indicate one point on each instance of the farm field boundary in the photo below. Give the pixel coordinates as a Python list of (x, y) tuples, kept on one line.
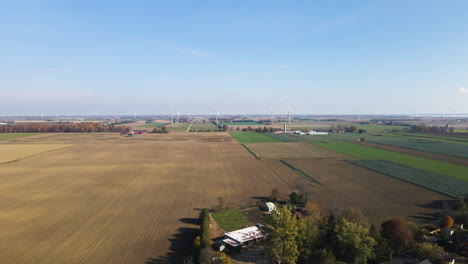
[(301, 138), (300, 172), (364, 152), (251, 152), (436, 182)]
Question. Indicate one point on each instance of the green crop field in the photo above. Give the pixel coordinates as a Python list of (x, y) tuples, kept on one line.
[(154, 125), (364, 152), (447, 138), (436, 182), (252, 137), (450, 148), (178, 127), (5, 136), (241, 124), (230, 220), (204, 127), (305, 138)]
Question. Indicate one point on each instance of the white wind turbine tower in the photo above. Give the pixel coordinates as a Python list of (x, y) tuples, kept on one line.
[(177, 116), (218, 116), (271, 118), (172, 117), (289, 115)]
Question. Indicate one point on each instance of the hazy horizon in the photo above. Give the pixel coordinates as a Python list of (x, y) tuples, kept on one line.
[(339, 57)]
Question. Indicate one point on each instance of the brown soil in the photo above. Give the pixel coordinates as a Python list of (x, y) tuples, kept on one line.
[(112, 199), (379, 196)]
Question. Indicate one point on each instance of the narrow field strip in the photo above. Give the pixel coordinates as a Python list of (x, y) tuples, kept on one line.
[(432, 181), (364, 152), (251, 152), (15, 152), (298, 171), (6, 136), (252, 137)]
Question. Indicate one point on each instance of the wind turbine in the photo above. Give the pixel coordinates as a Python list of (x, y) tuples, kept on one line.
[(271, 118), (177, 116), (218, 116), (172, 117), (289, 115)]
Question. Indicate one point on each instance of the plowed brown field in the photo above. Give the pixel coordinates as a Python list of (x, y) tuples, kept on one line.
[(112, 199)]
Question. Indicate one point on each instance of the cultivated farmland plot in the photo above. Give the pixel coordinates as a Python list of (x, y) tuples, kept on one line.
[(115, 199), (435, 146), (302, 138), (343, 184), (439, 183), (365, 152), (293, 150)]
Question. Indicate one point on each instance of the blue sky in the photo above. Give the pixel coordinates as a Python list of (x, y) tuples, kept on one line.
[(334, 57)]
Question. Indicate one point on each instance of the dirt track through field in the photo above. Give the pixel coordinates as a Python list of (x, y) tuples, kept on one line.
[(379, 196), (111, 199)]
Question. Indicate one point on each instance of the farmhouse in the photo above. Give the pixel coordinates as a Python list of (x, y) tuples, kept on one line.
[(247, 236)]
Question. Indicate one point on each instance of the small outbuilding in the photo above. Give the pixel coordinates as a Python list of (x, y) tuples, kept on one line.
[(270, 206)]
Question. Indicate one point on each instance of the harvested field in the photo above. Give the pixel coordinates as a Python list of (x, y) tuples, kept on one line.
[(379, 196), (112, 199), (14, 152), (293, 150)]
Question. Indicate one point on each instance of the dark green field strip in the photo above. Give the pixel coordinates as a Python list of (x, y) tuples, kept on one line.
[(456, 149), (436, 182), (364, 152), (6, 136), (450, 139), (252, 137), (241, 124), (302, 138), (154, 124), (298, 171)]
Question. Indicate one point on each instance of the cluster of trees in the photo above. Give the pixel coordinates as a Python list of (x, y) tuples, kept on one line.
[(259, 129), (431, 129), (61, 128), (204, 253), (162, 130), (314, 238), (346, 129)]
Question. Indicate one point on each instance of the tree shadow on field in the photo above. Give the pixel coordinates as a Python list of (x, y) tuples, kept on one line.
[(192, 221), (439, 204), (261, 198), (181, 248)]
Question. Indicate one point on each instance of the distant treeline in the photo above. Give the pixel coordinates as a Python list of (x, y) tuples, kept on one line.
[(431, 129), (61, 128)]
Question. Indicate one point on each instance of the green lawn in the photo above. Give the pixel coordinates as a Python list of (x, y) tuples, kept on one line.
[(230, 220), (364, 152), (5, 136), (252, 137)]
